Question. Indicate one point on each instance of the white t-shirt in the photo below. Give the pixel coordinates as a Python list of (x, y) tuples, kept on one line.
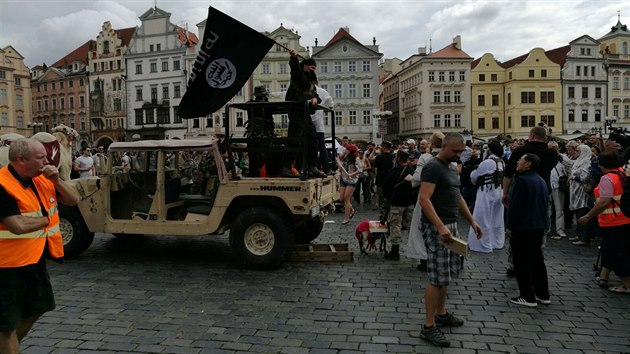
[(85, 162), (318, 116)]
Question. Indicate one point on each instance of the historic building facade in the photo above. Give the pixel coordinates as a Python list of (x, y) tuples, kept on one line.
[(15, 93), (156, 77), (108, 93), (488, 97), (584, 84), (615, 47), (435, 92), (349, 71), (61, 94)]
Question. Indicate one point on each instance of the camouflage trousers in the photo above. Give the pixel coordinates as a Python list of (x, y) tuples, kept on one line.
[(383, 204), (395, 220)]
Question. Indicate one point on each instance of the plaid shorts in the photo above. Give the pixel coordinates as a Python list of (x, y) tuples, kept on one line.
[(442, 264)]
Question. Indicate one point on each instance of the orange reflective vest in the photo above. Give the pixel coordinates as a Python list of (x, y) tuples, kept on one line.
[(612, 215), (26, 249)]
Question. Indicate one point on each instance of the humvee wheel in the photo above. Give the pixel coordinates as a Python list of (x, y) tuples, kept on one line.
[(74, 232), (260, 238), (308, 231)]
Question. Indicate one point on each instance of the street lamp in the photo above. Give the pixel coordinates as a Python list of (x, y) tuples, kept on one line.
[(377, 138)]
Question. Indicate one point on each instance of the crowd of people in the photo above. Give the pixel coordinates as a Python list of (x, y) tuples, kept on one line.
[(519, 194)]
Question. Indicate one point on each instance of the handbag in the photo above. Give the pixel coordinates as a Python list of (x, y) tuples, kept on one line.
[(563, 182)]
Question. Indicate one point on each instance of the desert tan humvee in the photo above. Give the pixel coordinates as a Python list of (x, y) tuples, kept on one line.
[(182, 187)]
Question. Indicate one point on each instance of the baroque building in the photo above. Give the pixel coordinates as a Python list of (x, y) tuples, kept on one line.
[(156, 77), (108, 93), (61, 94), (349, 71), (274, 73), (435, 92), (615, 47), (584, 85), (15, 93)]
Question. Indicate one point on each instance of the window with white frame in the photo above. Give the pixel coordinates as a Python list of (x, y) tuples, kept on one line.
[(176, 91), (367, 92), (283, 88), (457, 120), (239, 118), (431, 76), (441, 76), (282, 68), (153, 67), (626, 83), (436, 96), (323, 67), (176, 65), (5, 119), (457, 96), (367, 117), (265, 68), (451, 76), (626, 111), (353, 117), (337, 66), (447, 121), (352, 90), (436, 120), (164, 66), (284, 121), (165, 92), (338, 118), (366, 65), (615, 110), (447, 96), (615, 82), (462, 76), (338, 90), (352, 66)]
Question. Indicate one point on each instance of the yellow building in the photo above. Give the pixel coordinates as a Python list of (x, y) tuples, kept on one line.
[(15, 93), (512, 97), (488, 102)]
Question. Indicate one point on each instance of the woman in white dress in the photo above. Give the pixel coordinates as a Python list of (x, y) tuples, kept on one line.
[(415, 245), (489, 210)]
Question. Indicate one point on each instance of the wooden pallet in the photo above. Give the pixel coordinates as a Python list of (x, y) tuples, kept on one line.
[(329, 252)]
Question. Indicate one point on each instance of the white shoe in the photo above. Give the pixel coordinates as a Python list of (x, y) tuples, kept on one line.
[(523, 302)]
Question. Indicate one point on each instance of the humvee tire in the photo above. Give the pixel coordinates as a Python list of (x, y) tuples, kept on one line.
[(308, 231), (261, 237), (76, 236)]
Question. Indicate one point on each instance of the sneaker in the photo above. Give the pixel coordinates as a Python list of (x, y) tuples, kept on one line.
[(543, 301), (557, 237), (573, 238), (435, 336), (448, 320), (523, 302)]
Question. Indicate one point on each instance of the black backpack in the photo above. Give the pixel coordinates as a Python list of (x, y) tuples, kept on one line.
[(624, 202)]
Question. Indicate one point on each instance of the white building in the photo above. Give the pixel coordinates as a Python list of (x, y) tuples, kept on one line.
[(435, 92), (157, 76), (349, 71), (584, 84)]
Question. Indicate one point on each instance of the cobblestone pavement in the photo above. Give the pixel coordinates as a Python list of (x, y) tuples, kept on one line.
[(187, 295)]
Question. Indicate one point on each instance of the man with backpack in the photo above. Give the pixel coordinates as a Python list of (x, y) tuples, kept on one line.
[(612, 210)]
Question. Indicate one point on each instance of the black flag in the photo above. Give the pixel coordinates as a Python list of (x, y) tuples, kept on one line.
[(228, 54)]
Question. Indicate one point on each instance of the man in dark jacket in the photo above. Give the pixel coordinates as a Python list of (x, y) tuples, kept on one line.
[(383, 163), (526, 225), (302, 89), (402, 199)]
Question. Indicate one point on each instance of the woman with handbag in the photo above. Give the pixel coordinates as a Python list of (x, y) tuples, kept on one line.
[(578, 197), (559, 190)]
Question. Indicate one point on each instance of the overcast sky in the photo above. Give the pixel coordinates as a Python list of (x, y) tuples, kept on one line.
[(43, 31)]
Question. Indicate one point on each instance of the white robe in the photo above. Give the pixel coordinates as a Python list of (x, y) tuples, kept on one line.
[(488, 211), (415, 245)]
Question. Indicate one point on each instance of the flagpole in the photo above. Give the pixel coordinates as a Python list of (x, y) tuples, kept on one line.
[(289, 49)]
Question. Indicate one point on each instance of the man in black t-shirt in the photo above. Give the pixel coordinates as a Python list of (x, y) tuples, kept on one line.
[(383, 163), (441, 200)]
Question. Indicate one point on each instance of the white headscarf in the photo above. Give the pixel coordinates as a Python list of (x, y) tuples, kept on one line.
[(583, 162)]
